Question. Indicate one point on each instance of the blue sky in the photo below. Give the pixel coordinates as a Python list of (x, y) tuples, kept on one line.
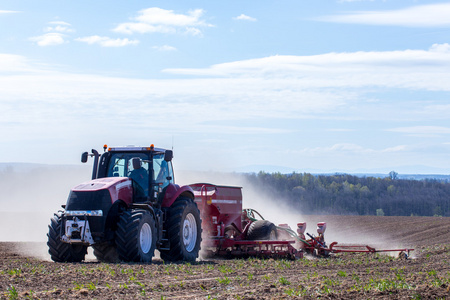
[(335, 86)]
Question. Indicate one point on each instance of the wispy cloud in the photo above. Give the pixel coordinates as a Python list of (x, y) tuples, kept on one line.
[(106, 41), (283, 87), (351, 148), (11, 63), (49, 39), (340, 130), (59, 26), (414, 69), (430, 15), (158, 20), (164, 48), (343, 1), (422, 130), (243, 17), (8, 12), (57, 34)]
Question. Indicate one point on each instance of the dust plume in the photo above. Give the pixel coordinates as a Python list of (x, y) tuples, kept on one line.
[(271, 208), (29, 196)]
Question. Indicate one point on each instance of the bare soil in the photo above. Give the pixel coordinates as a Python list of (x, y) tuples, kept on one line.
[(24, 273)]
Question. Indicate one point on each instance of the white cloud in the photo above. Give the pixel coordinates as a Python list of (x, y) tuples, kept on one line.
[(106, 41), (245, 18), (340, 130), (14, 63), (56, 34), (430, 15), (400, 148), (350, 148), (413, 69), (193, 31), (8, 12), (122, 110), (422, 130), (283, 87), (159, 20), (49, 39), (59, 27), (62, 23), (343, 1), (164, 48)]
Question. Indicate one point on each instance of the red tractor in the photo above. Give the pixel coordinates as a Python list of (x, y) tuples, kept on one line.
[(131, 207)]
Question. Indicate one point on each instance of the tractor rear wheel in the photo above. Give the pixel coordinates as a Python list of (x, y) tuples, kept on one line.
[(60, 251), (106, 252), (262, 230), (136, 236), (184, 231)]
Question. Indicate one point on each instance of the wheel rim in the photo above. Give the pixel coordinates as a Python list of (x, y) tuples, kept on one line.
[(189, 232), (145, 238)]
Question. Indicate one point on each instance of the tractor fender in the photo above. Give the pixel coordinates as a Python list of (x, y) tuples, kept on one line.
[(174, 191), (144, 206), (112, 216)]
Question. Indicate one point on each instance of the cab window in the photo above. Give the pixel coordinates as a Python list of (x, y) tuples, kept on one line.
[(163, 171)]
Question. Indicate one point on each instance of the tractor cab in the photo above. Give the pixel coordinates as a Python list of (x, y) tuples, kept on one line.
[(149, 168)]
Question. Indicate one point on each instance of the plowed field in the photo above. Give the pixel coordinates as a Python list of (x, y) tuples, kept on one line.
[(27, 272)]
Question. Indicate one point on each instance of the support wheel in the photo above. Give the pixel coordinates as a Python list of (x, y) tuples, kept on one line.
[(60, 251), (184, 231), (136, 236), (262, 230), (106, 252)]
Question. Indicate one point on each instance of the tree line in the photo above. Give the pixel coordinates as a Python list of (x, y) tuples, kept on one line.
[(351, 195)]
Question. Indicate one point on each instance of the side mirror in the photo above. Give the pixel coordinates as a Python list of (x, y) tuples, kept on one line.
[(84, 157), (168, 155)]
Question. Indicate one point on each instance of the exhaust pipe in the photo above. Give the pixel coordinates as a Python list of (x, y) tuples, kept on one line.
[(95, 168)]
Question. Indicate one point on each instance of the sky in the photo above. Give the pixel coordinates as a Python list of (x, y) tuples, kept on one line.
[(324, 86)]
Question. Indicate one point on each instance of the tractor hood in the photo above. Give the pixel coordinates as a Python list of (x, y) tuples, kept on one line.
[(110, 189), (104, 183)]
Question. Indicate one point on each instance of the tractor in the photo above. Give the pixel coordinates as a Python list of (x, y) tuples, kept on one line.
[(129, 208), (132, 207)]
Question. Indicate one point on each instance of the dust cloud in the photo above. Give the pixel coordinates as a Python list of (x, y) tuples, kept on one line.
[(29, 196), (271, 208)]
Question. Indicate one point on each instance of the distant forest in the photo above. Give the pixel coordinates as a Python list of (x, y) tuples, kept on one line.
[(350, 195)]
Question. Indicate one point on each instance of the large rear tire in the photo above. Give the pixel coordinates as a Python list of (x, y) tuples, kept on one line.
[(262, 230), (106, 252), (60, 251), (136, 236), (184, 228)]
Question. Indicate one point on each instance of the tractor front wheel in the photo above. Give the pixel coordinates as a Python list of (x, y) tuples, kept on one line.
[(60, 251), (184, 231), (136, 236)]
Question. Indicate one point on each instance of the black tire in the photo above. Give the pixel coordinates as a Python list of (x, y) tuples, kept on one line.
[(184, 229), (136, 236), (106, 252), (60, 251), (262, 230)]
